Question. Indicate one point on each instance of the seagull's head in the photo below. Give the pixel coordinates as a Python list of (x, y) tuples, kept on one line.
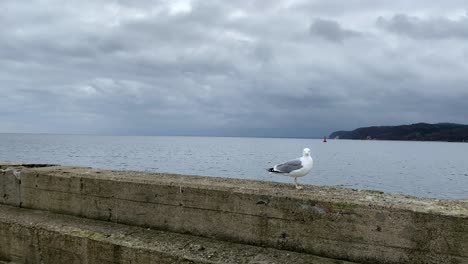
[(306, 152)]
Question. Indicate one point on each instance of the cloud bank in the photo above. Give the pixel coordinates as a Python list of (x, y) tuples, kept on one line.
[(288, 68)]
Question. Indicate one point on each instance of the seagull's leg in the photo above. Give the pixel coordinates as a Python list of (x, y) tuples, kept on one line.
[(295, 182)]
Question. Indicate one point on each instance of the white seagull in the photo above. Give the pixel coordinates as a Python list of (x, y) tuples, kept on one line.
[(295, 168)]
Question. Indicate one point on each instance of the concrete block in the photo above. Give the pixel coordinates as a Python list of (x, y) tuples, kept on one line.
[(31, 236), (360, 226), (10, 193)]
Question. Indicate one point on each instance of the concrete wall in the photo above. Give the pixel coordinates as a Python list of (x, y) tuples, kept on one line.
[(360, 226), (30, 236), (10, 192)]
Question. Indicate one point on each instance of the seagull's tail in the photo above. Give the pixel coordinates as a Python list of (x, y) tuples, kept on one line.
[(270, 170)]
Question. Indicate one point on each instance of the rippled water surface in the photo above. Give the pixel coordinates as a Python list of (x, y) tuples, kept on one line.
[(428, 169)]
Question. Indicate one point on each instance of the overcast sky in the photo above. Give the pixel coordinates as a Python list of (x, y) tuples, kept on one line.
[(230, 68)]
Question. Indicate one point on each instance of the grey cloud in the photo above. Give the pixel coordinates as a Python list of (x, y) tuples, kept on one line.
[(425, 28), (357, 8), (218, 69), (331, 30)]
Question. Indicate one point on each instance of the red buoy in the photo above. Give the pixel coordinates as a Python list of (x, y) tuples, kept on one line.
[(324, 139)]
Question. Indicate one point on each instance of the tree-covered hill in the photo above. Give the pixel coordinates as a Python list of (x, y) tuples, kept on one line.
[(419, 131)]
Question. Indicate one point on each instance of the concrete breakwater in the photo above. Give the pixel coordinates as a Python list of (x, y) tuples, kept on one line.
[(314, 225)]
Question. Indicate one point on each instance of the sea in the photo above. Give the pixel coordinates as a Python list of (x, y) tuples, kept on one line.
[(423, 169)]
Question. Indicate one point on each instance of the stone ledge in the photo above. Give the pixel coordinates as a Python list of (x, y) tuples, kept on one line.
[(33, 236), (356, 225), (272, 189)]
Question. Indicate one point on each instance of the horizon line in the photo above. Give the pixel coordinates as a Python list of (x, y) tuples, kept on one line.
[(136, 135)]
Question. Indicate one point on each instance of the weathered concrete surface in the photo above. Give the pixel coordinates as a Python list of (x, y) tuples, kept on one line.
[(10, 188), (361, 226), (31, 236)]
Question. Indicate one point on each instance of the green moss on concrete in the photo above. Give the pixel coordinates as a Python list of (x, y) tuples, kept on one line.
[(343, 206), (86, 233)]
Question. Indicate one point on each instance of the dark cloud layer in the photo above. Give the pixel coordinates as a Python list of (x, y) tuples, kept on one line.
[(426, 28), (331, 30), (288, 68)]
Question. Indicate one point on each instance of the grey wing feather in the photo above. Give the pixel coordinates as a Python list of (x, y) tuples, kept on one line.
[(289, 166)]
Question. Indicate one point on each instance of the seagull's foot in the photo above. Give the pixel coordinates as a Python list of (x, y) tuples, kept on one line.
[(299, 187)]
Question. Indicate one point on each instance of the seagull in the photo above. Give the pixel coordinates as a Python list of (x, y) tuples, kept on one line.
[(295, 168)]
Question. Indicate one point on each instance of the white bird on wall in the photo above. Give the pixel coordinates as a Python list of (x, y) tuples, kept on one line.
[(295, 168)]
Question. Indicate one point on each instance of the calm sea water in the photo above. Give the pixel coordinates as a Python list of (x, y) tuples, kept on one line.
[(426, 169)]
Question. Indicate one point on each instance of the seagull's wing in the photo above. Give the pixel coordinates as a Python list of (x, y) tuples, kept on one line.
[(289, 166)]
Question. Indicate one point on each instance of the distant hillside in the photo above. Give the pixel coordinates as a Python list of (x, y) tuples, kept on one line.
[(419, 131)]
